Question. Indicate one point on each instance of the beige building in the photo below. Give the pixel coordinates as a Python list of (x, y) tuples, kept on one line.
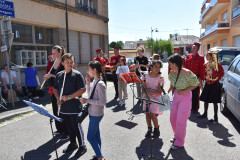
[(40, 24), (221, 21)]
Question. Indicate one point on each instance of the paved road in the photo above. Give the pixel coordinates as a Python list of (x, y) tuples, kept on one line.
[(123, 139)]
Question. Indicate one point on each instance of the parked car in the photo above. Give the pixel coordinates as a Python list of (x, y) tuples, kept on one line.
[(230, 98), (108, 72)]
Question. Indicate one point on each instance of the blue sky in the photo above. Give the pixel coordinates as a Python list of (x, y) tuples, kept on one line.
[(131, 20)]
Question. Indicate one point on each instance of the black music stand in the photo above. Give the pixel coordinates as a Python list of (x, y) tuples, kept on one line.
[(41, 110), (148, 100)]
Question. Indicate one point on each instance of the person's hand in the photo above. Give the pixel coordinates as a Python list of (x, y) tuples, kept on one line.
[(83, 100), (6, 90), (19, 89), (59, 102), (46, 76), (65, 98), (114, 61), (105, 56), (88, 78)]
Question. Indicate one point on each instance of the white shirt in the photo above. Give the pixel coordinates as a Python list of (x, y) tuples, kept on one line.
[(122, 69), (4, 75)]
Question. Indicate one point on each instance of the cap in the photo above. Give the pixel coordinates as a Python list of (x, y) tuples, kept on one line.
[(116, 47), (98, 50), (197, 44)]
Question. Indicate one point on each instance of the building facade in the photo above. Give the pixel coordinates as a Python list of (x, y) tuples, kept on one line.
[(220, 20), (40, 24)]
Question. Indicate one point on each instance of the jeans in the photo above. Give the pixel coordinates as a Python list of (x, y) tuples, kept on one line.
[(93, 136)]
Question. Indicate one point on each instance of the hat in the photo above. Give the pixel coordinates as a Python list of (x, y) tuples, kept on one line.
[(176, 49), (116, 47), (98, 50), (50, 54), (197, 44)]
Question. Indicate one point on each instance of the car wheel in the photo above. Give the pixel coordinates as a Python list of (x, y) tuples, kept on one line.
[(223, 105)]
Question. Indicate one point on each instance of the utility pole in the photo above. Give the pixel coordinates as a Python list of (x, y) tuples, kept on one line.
[(67, 37), (7, 40)]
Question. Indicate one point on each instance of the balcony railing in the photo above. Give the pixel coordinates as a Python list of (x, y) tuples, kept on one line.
[(214, 27), (236, 12), (86, 8), (204, 2), (211, 5)]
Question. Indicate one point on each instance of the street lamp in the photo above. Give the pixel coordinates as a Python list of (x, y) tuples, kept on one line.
[(152, 30)]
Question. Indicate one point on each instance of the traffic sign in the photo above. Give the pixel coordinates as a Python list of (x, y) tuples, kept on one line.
[(7, 8)]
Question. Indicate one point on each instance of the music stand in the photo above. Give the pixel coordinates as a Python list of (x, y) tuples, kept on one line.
[(130, 77), (148, 100), (41, 110)]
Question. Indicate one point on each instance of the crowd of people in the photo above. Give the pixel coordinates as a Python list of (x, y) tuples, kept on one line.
[(67, 85)]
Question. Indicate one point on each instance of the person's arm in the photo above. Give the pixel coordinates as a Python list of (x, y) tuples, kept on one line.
[(16, 82), (101, 90), (4, 84), (170, 89)]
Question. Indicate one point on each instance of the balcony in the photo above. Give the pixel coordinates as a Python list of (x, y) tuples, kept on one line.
[(86, 8), (213, 9), (217, 30)]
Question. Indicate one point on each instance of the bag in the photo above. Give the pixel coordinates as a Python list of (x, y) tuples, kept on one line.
[(84, 113), (165, 99)]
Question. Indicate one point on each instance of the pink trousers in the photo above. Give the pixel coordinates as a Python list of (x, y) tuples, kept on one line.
[(180, 112)]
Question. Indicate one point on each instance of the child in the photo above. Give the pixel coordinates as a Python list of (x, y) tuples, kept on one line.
[(122, 86), (97, 103), (152, 82), (31, 81), (70, 106)]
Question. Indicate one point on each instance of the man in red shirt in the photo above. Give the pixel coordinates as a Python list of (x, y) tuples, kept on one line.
[(115, 63), (101, 58), (194, 62)]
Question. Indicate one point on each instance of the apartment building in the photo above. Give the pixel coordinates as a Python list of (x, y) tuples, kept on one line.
[(40, 24), (220, 20)]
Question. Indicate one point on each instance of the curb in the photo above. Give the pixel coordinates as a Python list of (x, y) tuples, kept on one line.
[(11, 115)]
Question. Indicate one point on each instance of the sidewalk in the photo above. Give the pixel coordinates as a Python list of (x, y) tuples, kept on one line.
[(21, 108)]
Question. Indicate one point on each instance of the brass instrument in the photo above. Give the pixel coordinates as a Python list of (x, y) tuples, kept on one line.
[(212, 65)]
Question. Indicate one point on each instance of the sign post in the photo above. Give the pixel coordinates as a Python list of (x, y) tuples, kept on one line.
[(7, 11)]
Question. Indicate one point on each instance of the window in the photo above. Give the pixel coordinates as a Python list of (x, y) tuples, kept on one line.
[(22, 33), (225, 16), (237, 69), (215, 44), (232, 67), (226, 57), (224, 43), (43, 35)]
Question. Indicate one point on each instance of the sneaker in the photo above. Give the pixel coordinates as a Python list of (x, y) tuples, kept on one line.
[(175, 147), (156, 132), (94, 158), (149, 133), (71, 147), (64, 137), (204, 115), (36, 97), (116, 97), (172, 140), (214, 119), (81, 151), (56, 133)]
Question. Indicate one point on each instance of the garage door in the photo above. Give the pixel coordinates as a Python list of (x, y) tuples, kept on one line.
[(74, 45), (85, 48), (95, 44), (237, 41)]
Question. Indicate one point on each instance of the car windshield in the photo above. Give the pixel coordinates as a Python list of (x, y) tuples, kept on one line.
[(226, 57)]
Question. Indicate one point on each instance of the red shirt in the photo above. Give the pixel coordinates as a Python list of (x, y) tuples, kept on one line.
[(215, 75), (49, 66), (195, 64), (101, 60), (116, 58)]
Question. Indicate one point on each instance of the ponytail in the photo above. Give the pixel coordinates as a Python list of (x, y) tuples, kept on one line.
[(59, 49)]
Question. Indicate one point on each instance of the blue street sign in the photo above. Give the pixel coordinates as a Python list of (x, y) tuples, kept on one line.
[(7, 8)]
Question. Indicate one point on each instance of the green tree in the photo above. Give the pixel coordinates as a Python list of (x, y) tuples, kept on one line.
[(168, 47), (112, 44), (120, 44)]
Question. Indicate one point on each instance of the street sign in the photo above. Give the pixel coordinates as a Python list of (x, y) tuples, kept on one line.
[(3, 48), (7, 8)]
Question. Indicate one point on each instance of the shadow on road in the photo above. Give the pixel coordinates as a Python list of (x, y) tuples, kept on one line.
[(44, 151), (219, 131), (144, 148), (111, 103), (234, 121), (119, 108), (178, 154)]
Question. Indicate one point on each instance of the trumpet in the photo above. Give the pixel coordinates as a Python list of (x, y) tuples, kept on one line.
[(48, 73)]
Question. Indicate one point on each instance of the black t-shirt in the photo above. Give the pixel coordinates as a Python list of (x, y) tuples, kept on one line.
[(143, 60), (73, 82), (54, 72)]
